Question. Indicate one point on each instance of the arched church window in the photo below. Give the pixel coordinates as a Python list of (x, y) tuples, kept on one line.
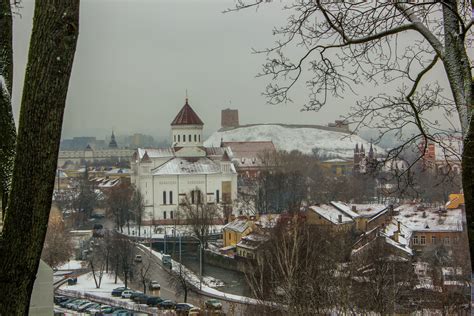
[(195, 138), (179, 138)]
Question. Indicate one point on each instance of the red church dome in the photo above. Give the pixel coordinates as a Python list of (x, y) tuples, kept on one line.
[(187, 116)]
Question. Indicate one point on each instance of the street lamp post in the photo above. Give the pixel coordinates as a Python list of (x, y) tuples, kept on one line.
[(200, 260)]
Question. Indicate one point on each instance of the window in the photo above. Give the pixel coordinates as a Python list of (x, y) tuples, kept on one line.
[(192, 197), (171, 214), (198, 196), (164, 197), (174, 137), (229, 236), (195, 138), (217, 196), (423, 240), (433, 240), (189, 138), (164, 214), (179, 138), (456, 240), (199, 137), (415, 240), (171, 197), (446, 240)]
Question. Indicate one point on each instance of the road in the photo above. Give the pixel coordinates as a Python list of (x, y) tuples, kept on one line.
[(160, 274)]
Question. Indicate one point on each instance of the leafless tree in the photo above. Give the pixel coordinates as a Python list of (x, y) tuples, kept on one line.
[(180, 282), (199, 214), (397, 44), (119, 204), (58, 247), (300, 267), (97, 263), (448, 272), (138, 208), (143, 273), (382, 279), (122, 257)]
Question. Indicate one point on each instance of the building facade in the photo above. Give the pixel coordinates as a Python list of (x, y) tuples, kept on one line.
[(186, 172)]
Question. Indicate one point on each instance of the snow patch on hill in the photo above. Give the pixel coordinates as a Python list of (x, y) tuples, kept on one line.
[(328, 143)]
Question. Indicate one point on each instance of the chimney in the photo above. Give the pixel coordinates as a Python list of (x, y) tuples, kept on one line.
[(354, 208), (398, 225), (396, 236), (339, 218)]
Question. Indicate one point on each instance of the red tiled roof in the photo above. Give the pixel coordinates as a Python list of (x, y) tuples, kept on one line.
[(187, 116)]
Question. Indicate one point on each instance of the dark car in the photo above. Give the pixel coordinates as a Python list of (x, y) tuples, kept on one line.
[(213, 304), (64, 303), (142, 299), (136, 297), (118, 291), (59, 299), (72, 281), (167, 304), (135, 294), (153, 300), (183, 307)]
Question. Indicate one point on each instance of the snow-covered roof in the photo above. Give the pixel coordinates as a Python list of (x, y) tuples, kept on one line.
[(369, 210), (237, 225), (252, 241), (430, 219), (346, 208), (118, 171), (180, 165), (331, 213), (156, 152), (303, 138)]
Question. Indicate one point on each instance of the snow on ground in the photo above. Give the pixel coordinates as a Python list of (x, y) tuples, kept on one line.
[(193, 279), (73, 265), (295, 137), (85, 283), (159, 232)]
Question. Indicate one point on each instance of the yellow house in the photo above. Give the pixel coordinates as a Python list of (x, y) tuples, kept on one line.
[(455, 201), (235, 230)]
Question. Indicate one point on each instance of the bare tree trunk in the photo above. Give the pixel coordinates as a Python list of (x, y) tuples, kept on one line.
[(52, 48), (468, 184), (7, 124)]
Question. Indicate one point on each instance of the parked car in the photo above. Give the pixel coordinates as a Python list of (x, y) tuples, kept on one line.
[(213, 304), (183, 307), (84, 308), (195, 311), (127, 293), (167, 304), (71, 281), (64, 303), (59, 299), (142, 299), (135, 294), (153, 300), (154, 285), (118, 291), (136, 297), (101, 309), (75, 304), (138, 258)]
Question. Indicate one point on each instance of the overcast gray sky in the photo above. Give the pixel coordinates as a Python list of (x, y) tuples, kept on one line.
[(136, 58)]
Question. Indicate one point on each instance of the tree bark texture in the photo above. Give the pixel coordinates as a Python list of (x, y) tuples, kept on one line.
[(468, 181), (7, 124), (52, 47)]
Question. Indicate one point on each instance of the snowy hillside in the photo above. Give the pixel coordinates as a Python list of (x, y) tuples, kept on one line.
[(304, 138)]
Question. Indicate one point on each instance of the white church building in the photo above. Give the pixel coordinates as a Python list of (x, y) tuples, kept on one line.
[(187, 169)]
